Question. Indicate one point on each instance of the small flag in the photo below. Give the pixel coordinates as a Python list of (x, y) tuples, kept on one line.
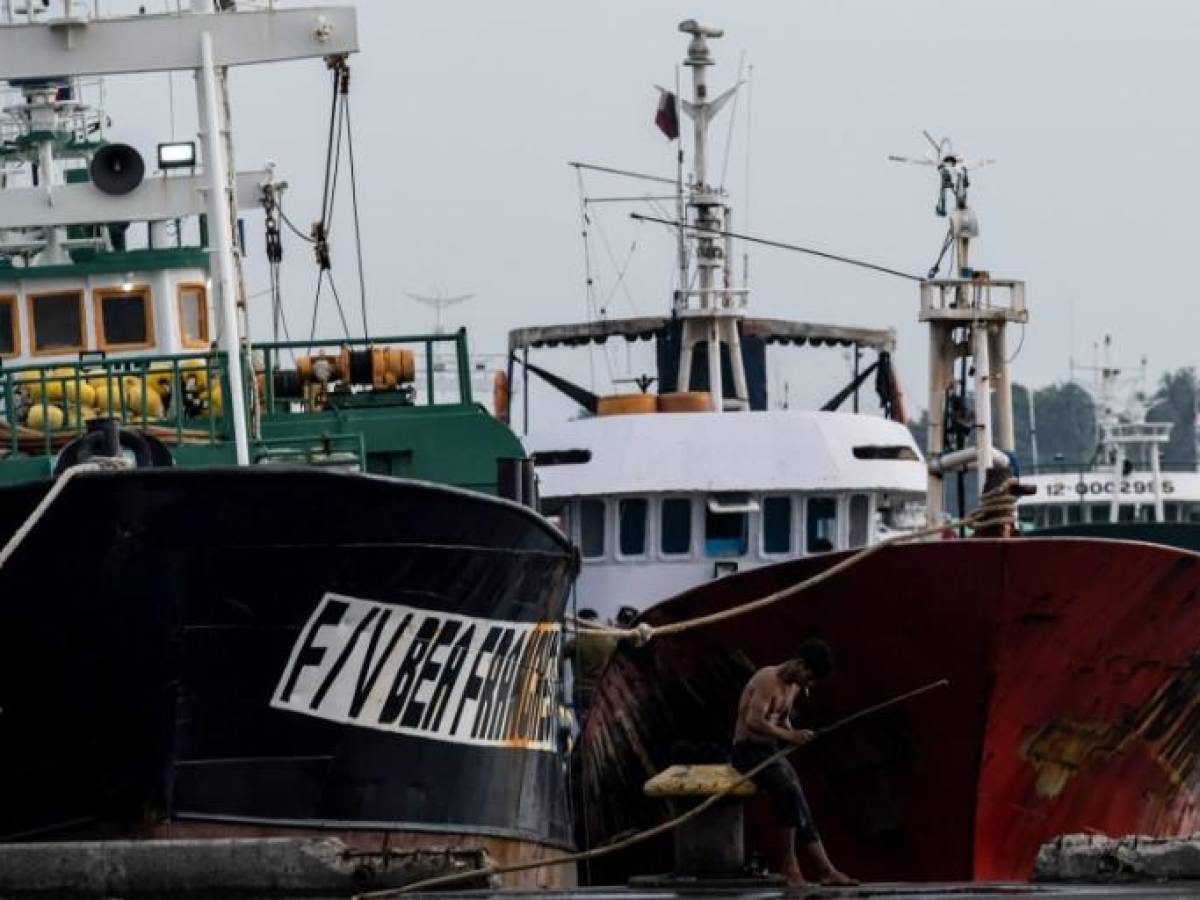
[(667, 117)]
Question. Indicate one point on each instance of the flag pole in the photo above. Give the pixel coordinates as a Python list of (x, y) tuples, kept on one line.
[(680, 214)]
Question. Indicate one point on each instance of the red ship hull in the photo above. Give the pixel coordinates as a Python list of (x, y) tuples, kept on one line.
[(1073, 705)]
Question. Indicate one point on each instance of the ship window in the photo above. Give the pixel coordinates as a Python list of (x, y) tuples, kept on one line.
[(821, 524), (676, 538), (123, 317), (193, 315), (1193, 512), (631, 518), (777, 524), (9, 336), (1126, 514), (1027, 515), (1099, 512), (591, 528), (1054, 515), (860, 510), (725, 533), (56, 321), (1074, 514), (1171, 512)]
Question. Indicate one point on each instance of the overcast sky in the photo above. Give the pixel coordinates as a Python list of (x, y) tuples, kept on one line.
[(466, 114)]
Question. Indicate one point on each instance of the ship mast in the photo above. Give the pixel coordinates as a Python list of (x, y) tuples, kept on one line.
[(711, 311), (968, 315)]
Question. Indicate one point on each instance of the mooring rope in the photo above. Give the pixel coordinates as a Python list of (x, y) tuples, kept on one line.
[(654, 831), (997, 507), (98, 464)]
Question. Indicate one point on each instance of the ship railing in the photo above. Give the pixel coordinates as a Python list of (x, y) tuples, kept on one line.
[(177, 398), (970, 299), (725, 301), (440, 378)]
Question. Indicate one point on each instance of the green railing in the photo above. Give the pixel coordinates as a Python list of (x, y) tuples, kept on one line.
[(423, 347), (45, 406), (177, 397)]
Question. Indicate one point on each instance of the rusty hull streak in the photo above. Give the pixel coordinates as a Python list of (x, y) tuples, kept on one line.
[(1169, 724)]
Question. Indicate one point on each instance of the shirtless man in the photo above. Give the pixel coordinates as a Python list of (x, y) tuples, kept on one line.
[(763, 726)]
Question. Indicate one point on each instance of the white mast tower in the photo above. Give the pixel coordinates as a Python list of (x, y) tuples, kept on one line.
[(719, 306), (968, 315)]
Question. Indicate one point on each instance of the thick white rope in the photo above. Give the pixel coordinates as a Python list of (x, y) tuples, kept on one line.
[(97, 464)]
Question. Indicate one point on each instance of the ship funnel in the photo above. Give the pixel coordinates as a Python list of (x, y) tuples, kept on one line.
[(117, 169)]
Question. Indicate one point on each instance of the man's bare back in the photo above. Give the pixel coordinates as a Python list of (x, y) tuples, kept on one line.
[(765, 709)]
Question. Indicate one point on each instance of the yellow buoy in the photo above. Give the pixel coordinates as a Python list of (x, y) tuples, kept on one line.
[(45, 418), (76, 416), (216, 401)]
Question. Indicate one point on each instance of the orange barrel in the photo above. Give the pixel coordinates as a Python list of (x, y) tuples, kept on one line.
[(685, 401), (626, 404)]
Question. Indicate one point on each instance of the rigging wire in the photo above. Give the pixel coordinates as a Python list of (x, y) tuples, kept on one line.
[(732, 119), (307, 238), (362, 285), (620, 270), (849, 260)]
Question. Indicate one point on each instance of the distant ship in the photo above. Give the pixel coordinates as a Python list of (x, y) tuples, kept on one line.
[(287, 587), (1124, 490), (1074, 663)]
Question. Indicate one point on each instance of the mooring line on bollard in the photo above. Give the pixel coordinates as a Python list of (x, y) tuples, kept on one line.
[(654, 831)]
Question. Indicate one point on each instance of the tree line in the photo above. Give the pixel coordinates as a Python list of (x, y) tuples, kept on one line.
[(1065, 418)]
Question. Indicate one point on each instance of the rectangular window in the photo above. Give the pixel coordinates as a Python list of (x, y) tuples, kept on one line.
[(860, 513), (1171, 512), (1054, 516), (1126, 514), (193, 315), (1099, 512), (10, 337), (725, 533), (777, 524), (631, 520), (123, 318), (676, 537), (591, 528), (56, 322), (820, 529), (1074, 514)]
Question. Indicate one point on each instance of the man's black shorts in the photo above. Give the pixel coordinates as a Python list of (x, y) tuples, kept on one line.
[(781, 784)]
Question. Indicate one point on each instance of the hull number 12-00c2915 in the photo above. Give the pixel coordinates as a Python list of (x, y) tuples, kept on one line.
[(1128, 486)]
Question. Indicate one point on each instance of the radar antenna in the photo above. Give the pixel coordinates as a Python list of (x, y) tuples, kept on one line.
[(954, 180), (439, 301)]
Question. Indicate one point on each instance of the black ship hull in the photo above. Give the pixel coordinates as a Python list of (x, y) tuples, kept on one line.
[(232, 650)]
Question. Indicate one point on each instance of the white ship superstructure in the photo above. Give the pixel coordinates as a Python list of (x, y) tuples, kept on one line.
[(664, 492)]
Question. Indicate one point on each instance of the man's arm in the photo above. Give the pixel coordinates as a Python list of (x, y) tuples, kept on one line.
[(759, 723)]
